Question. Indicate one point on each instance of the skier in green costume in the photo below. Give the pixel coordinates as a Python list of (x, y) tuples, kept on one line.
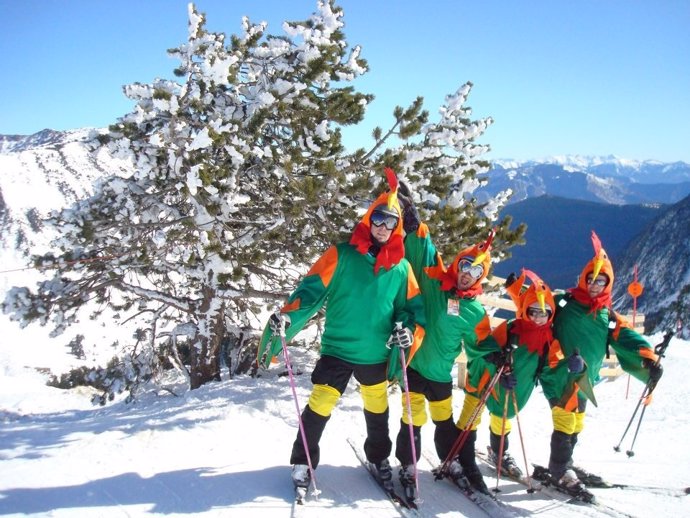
[(454, 318), (527, 347), (585, 325), (368, 286)]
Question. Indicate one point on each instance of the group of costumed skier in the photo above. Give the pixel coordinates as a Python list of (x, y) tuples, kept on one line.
[(389, 293)]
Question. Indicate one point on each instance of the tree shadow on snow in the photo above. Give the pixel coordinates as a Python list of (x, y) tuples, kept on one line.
[(186, 491)]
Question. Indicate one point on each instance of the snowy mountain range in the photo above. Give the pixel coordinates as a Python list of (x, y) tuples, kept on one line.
[(603, 179), (662, 256)]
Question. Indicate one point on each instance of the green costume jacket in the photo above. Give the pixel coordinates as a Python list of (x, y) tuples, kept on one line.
[(527, 366), (451, 320), (576, 327), (362, 307)]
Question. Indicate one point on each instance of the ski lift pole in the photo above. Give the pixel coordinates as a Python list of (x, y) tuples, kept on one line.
[(303, 434), (635, 289), (410, 424)]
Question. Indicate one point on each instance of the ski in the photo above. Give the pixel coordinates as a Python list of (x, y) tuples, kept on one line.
[(400, 503), (583, 498), (598, 482), (487, 503), (540, 481)]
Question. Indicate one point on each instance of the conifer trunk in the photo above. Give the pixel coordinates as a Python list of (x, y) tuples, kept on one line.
[(205, 354)]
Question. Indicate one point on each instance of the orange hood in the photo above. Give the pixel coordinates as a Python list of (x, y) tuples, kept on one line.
[(478, 254), (599, 264), (533, 336), (393, 251)]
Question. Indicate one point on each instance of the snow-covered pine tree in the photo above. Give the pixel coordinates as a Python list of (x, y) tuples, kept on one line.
[(442, 164), (240, 180)]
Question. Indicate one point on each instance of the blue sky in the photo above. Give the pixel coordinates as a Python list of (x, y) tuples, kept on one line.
[(588, 77)]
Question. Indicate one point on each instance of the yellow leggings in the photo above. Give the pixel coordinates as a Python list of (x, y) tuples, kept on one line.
[(468, 407), (439, 410), (567, 422)]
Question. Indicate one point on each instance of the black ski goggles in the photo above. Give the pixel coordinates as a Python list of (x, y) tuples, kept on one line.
[(387, 220)]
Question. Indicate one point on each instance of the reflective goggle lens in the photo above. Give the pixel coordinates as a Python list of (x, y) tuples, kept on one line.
[(474, 271), (598, 281), (379, 218)]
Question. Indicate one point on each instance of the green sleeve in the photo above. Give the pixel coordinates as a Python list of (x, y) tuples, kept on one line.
[(421, 252), (302, 304), (629, 346)]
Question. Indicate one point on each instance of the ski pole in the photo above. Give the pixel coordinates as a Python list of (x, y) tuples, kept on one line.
[(637, 407), (659, 350), (501, 446), (303, 434), (410, 424), (530, 489), (630, 452), (462, 438)]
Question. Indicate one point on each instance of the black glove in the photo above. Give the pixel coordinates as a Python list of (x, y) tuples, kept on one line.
[(498, 358), (508, 380), (278, 322), (400, 337), (404, 189), (655, 370), (411, 219), (510, 279), (575, 363)]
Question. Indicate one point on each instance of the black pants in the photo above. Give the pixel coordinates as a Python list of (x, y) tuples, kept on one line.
[(336, 373)]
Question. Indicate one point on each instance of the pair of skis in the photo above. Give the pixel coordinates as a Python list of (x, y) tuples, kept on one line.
[(409, 507), (541, 481)]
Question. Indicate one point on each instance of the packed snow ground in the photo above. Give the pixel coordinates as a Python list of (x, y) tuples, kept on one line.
[(223, 450)]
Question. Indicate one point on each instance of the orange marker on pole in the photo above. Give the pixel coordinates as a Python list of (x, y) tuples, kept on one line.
[(635, 289)]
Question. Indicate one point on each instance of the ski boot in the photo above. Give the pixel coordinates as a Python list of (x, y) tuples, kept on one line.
[(508, 464), (406, 475)]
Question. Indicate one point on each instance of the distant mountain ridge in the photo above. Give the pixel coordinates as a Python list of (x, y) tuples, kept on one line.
[(642, 171), (606, 180), (662, 255)]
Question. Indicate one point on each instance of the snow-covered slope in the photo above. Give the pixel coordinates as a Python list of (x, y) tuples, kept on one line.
[(223, 450)]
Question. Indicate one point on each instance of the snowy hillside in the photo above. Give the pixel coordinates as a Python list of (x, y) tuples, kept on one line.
[(222, 451), (41, 173)]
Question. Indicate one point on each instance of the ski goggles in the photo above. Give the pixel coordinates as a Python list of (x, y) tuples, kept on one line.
[(379, 218), (465, 266), (538, 312), (599, 281)]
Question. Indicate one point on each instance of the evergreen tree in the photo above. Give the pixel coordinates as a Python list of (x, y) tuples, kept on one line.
[(238, 178)]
